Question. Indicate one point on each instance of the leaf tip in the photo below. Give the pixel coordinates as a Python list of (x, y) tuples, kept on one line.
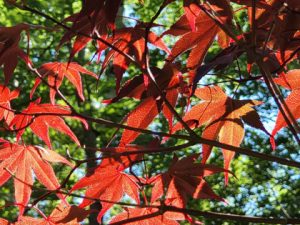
[(272, 141)]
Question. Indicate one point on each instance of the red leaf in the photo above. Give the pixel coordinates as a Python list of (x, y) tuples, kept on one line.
[(167, 78), (108, 183), (140, 117), (56, 71), (39, 117), (172, 97), (191, 12), (6, 96), (9, 49), (223, 11), (291, 82), (258, 3), (21, 161), (219, 62), (127, 160), (95, 18), (130, 40), (185, 177), (199, 40), (223, 39), (223, 119)]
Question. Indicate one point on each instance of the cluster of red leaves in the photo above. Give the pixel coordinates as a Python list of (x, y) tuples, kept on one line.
[(22, 161), (222, 118)]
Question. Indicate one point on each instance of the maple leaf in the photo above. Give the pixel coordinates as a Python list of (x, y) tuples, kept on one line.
[(191, 12), (130, 40), (223, 39), (61, 215), (291, 82), (169, 79), (223, 117), (9, 49), (20, 161), (198, 40), (184, 177), (286, 36), (56, 71), (95, 18), (6, 96), (108, 183), (143, 216), (35, 117)]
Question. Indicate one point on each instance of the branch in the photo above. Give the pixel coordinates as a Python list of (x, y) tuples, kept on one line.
[(233, 217), (196, 213), (138, 218), (192, 140), (281, 68), (111, 151)]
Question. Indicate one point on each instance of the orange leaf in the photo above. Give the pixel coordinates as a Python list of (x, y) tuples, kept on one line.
[(4, 222), (223, 117), (290, 81)]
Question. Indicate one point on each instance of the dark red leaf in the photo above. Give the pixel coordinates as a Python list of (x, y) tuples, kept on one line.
[(9, 49)]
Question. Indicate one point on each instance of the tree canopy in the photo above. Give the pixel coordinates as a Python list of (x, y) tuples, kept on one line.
[(149, 112)]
